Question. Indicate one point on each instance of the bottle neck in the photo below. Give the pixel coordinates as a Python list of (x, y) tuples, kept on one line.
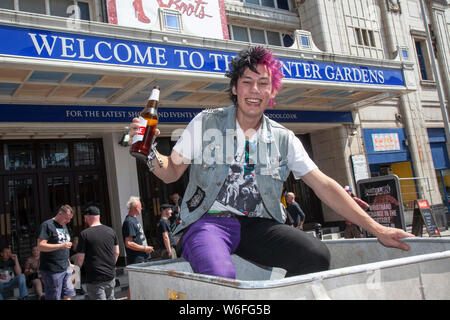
[(154, 95)]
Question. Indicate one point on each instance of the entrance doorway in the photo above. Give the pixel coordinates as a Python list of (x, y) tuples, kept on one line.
[(36, 177), (19, 212)]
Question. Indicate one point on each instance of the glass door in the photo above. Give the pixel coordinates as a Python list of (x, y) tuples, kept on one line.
[(19, 214), (79, 190), (90, 189), (59, 190)]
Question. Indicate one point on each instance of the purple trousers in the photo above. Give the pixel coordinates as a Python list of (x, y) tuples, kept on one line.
[(209, 243)]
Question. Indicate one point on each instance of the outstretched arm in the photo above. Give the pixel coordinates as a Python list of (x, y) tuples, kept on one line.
[(331, 193)]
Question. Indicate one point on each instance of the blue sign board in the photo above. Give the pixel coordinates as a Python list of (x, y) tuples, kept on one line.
[(46, 44), (397, 154), (61, 113)]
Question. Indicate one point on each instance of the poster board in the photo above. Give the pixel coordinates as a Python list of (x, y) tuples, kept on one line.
[(424, 215), (384, 197), (360, 167)]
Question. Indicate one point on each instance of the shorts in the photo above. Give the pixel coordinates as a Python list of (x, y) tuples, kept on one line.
[(58, 285)]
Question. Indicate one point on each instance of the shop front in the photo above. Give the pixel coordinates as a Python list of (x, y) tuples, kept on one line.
[(438, 140), (388, 153)]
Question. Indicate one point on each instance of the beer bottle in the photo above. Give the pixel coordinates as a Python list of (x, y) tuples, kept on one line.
[(148, 119)]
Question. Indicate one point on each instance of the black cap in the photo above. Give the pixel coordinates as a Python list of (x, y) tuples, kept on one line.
[(165, 206), (92, 211)]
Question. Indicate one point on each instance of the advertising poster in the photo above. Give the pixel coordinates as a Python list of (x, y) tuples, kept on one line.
[(384, 197), (205, 18)]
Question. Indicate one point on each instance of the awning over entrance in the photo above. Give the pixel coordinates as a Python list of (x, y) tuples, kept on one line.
[(105, 65)]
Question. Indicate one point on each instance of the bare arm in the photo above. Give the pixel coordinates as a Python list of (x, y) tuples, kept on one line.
[(116, 253), (166, 240), (44, 246), (334, 196), (136, 247), (80, 259), (173, 166), (17, 268)]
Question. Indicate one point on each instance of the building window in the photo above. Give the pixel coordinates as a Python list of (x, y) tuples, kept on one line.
[(422, 58), (86, 154), (7, 4), (257, 36), (34, 6), (261, 36), (305, 41), (279, 4), (405, 53), (171, 20), (62, 8), (273, 38), (288, 40), (55, 155), (19, 156), (365, 37), (239, 33)]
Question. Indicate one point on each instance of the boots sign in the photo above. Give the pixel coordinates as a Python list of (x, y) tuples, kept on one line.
[(205, 18)]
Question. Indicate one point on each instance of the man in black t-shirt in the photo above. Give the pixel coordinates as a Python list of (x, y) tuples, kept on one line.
[(295, 211), (54, 244), (134, 238), (98, 249), (176, 207), (165, 238)]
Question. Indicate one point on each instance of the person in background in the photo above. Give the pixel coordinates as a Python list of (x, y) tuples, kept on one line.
[(11, 275), (165, 238), (136, 246), (54, 244), (174, 219), (98, 249), (294, 210), (134, 238), (351, 230), (32, 273)]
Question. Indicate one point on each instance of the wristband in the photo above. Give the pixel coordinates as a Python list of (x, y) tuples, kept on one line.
[(152, 155)]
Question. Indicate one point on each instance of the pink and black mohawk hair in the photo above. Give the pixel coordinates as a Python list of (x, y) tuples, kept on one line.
[(250, 59)]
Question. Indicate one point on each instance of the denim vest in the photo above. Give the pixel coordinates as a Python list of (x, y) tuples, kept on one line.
[(209, 170)]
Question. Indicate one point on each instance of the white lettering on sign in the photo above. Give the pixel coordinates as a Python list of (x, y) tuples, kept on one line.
[(104, 51), (125, 52)]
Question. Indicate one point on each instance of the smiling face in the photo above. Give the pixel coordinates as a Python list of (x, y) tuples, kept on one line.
[(253, 91)]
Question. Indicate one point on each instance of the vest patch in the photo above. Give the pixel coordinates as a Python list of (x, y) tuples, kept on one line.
[(194, 202)]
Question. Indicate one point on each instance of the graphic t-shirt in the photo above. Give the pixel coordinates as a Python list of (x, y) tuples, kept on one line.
[(55, 261), (239, 193), (7, 268), (132, 228)]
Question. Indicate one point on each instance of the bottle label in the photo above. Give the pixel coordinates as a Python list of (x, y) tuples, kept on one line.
[(139, 136), (154, 95)]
